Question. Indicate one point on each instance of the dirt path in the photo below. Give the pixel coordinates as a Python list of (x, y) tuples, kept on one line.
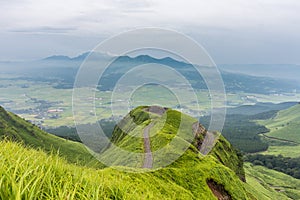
[(148, 160), (208, 143)]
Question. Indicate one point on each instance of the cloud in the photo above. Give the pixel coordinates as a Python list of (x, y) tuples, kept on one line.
[(231, 26), (115, 15), (44, 29)]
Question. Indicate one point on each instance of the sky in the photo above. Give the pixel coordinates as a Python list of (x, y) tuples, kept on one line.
[(232, 31)]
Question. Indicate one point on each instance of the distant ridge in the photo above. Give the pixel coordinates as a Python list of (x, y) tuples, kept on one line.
[(125, 58), (57, 57)]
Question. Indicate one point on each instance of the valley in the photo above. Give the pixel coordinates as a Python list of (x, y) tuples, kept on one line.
[(258, 123), (43, 104)]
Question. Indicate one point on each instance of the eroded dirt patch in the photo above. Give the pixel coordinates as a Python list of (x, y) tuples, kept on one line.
[(157, 110), (218, 190)]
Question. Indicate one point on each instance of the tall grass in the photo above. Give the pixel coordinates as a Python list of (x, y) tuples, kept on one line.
[(31, 174)]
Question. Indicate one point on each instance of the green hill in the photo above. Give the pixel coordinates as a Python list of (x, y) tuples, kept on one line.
[(208, 169), (284, 134), (170, 129), (265, 183), (17, 129), (285, 125)]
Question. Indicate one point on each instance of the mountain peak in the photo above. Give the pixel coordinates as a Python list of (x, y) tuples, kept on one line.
[(57, 57)]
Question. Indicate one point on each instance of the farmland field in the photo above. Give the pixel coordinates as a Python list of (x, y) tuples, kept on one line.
[(42, 103)]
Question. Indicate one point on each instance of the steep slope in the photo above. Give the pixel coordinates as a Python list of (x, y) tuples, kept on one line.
[(166, 125), (31, 174), (17, 129)]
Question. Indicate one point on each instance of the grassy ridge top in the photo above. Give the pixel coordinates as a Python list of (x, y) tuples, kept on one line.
[(17, 129), (169, 126)]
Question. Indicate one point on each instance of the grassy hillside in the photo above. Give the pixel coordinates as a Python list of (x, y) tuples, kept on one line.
[(243, 132), (285, 125), (169, 130), (30, 174), (27, 173), (270, 184), (284, 135), (17, 129)]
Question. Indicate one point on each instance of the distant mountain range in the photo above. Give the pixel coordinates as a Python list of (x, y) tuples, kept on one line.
[(62, 71)]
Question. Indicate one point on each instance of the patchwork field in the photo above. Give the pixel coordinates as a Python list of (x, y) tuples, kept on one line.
[(41, 103)]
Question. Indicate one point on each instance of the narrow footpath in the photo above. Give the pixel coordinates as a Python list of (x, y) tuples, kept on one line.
[(148, 160)]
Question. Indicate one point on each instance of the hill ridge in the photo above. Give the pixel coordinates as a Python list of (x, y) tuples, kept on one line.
[(16, 129)]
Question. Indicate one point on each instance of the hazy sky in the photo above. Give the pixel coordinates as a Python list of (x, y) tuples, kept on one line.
[(233, 31)]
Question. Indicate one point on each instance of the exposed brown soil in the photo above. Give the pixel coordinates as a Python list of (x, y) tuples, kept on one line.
[(157, 110), (218, 190)]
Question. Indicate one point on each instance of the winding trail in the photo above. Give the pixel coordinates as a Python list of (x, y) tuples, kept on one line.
[(148, 160)]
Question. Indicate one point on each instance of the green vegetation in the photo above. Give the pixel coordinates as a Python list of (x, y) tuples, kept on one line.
[(229, 156), (284, 150), (70, 133), (18, 94), (290, 166), (243, 132), (27, 173), (283, 136), (269, 184), (259, 107), (171, 126), (285, 125), (31, 174), (16, 129)]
